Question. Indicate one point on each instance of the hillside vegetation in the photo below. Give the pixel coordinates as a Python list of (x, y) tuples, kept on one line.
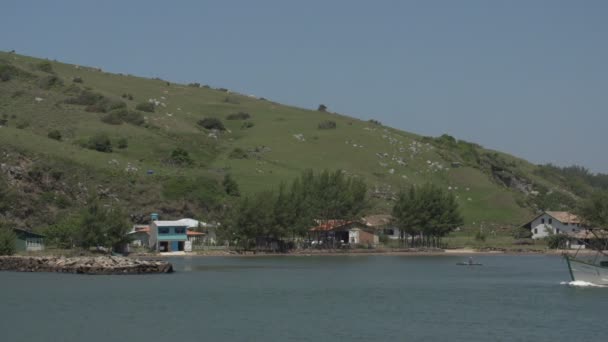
[(72, 133)]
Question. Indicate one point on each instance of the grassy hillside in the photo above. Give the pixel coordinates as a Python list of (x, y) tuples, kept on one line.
[(273, 145)]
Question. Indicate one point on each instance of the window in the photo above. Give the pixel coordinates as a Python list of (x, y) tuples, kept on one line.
[(535, 231), (389, 232), (550, 221), (542, 220), (163, 230), (557, 231), (180, 230)]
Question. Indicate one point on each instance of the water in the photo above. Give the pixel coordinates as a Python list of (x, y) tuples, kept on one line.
[(351, 298)]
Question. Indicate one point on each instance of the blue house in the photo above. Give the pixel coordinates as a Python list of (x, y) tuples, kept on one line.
[(167, 236)]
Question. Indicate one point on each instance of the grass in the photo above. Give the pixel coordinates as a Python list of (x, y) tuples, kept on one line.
[(174, 124)]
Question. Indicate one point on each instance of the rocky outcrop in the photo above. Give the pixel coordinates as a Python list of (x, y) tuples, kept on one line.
[(84, 265)]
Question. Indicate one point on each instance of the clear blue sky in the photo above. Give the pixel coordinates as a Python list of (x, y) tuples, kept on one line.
[(526, 77)]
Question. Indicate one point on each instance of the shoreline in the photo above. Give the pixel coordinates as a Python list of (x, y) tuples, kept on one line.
[(367, 252)]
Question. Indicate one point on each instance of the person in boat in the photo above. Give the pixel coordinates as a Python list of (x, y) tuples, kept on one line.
[(471, 261)]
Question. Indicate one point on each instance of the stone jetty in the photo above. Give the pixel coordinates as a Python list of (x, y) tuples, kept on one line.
[(84, 265)]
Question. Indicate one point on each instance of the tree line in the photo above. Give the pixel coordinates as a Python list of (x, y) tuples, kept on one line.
[(289, 212), (94, 226), (426, 214), (423, 214)]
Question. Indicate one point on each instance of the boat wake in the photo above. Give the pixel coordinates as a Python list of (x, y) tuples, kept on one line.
[(580, 283)]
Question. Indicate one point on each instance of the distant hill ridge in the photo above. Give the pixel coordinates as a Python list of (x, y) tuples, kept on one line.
[(70, 132)]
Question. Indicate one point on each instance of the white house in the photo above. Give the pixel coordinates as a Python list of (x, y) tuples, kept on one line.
[(554, 222)]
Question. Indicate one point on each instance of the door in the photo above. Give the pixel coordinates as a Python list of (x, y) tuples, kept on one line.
[(174, 246)]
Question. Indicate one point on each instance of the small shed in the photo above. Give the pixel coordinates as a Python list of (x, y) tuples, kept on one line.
[(28, 241)]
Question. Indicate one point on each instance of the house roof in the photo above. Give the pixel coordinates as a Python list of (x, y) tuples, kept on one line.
[(377, 220), (564, 216), (191, 223), (193, 233), (140, 228), (588, 234), (170, 224), (27, 232), (328, 225)]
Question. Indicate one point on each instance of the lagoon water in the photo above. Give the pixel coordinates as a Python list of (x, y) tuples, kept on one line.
[(337, 298)]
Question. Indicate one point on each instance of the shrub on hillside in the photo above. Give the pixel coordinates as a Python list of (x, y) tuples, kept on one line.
[(238, 116), (55, 135), (127, 96), (123, 143), (322, 108), (231, 100), (112, 118), (77, 79), (145, 107), (45, 66), (49, 82), (212, 123), (375, 122), (105, 105), (100, 142), (5, 73), (84, 98), (194, 85), (118, 116), (328, 124), (247, 124), (238, 153), (231, 186), (180, 157)]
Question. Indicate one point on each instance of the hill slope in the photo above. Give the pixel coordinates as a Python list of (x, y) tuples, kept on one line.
[(264, 145)]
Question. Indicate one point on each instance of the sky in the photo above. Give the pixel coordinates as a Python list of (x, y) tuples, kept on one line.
[(527, 77)]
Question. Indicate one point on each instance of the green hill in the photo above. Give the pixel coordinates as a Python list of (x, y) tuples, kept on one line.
[(263, 144)]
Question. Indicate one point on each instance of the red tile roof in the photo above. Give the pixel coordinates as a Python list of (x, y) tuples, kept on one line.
[(330, 225), (192, 233)]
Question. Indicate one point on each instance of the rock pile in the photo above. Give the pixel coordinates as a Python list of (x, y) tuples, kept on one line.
[(84, 265)]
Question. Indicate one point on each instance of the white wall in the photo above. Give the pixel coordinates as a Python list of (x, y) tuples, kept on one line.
[(545, 223)]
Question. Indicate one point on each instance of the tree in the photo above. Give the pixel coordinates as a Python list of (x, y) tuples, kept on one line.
[(63, 233), (8, 240), (230, 186), (105, 227), (322, 108), (253, 218), (429, 212), (594, 210)]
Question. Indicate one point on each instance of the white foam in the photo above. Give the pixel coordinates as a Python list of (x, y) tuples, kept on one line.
[(580, 283)]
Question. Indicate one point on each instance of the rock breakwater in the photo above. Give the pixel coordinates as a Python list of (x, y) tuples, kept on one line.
[(84, 265)]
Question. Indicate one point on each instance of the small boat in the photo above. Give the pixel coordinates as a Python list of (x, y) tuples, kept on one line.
[(470, 262)]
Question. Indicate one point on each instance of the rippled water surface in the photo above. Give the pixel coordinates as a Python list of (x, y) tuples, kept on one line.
[(342, 298)]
